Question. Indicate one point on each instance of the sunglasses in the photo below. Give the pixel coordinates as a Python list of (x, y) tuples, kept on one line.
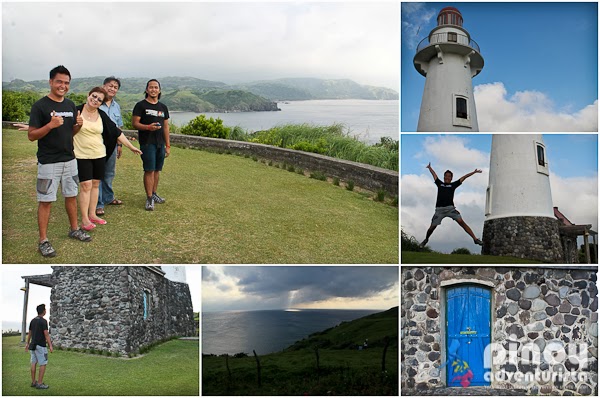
[(97, 98)]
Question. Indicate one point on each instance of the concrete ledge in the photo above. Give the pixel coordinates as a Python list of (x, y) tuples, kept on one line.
[(364, 175)]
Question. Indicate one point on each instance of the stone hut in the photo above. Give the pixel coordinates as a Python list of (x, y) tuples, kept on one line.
[(117, 308), (527, 329)]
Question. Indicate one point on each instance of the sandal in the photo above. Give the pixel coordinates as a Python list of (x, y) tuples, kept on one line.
[(88, 227), (98, 221), (116, 202), (99, 211)]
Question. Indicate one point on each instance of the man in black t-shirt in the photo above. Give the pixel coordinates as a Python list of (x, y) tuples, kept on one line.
[(444, 204), (37, 339), (151, 118), (53, 122)]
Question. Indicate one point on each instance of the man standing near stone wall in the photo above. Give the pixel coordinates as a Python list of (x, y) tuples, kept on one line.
[(37, 339)]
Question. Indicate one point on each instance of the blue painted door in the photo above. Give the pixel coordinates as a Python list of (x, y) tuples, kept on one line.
[(468, 311)]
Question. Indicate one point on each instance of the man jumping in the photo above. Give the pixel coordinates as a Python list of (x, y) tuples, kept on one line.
[(444, 205)]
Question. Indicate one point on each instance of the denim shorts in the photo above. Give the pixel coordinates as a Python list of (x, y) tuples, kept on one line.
[(39, 355), (51, 175), (153, 156)]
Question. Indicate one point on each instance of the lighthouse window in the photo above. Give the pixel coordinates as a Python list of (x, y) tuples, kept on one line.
[(146, 299), (461, 108), (452, 36), (540, 156)]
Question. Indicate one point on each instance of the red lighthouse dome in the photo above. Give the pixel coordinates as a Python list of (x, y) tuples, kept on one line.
[(449, 16)]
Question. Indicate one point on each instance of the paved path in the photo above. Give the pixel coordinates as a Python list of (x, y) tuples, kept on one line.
[(454, 391)]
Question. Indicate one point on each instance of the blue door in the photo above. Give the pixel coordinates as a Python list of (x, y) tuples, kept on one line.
[(468, 334)]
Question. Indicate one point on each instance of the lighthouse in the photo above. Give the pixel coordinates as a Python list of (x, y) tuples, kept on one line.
[(449, 59), (519, 216)]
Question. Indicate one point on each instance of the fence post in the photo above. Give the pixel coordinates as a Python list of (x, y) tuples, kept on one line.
[(387, 343), (257, 366)]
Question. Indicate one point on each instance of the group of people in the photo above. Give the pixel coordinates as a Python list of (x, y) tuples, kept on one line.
[(78, 147)]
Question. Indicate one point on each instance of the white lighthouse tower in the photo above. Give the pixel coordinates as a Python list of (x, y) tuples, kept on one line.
[(449, 59), (519, 217)]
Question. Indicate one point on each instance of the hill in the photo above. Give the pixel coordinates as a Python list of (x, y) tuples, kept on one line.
[(197, 95), (336, 368)]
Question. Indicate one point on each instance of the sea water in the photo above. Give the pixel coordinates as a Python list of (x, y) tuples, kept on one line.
[(268, 331), (369, 120)]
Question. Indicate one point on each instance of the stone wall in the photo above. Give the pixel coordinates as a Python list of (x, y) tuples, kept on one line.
[(102, 308), (548, 307), (534, 238)]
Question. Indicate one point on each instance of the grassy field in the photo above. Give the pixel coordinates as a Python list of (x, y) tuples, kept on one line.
[(343, 370), (219, 209), (171, 368), (440, 258)]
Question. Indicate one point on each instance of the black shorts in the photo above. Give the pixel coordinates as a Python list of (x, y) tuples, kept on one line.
[(91, 169)]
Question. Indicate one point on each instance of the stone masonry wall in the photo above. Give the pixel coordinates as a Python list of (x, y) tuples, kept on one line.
[(545, 307), (534, 238), (102, 308)]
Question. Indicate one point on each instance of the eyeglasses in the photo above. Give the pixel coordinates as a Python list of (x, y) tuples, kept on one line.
[(97, 98)]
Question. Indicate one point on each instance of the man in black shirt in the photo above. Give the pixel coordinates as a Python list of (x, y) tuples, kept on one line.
[(151, 118), (53, 122), (444, 205), (37, 338)]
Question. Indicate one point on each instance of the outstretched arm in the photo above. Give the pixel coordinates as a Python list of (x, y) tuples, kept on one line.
[(463, 178), (435, 177)]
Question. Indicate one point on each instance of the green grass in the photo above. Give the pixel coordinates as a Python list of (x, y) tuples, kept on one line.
[(409, 257), (294, 371), (169, 369), (219, 209)]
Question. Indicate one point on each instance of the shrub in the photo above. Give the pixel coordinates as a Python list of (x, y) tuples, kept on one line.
[(240, 355), (237, 133), (461, 250), (291, 168), (411, 244), (336, 181), (317, 175), (350, 185), (201, 126), (380, 195)]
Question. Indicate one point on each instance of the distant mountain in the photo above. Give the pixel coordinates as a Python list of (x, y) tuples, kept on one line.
[(198, 95), (311, 88)]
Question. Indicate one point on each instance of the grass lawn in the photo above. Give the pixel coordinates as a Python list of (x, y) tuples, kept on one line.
[(439, 258), (171, 368), (219, 209)]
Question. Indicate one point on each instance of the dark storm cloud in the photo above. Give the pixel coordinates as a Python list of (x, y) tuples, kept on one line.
[(314, 283)]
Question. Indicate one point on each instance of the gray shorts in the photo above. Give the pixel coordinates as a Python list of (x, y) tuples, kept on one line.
[(443, 212), (39, 355), (52, 174)]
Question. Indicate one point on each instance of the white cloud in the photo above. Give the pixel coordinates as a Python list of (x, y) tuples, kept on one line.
[(528, 111), (415, 16), (576, 198)]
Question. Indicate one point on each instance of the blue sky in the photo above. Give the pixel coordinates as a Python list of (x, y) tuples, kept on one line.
[(573, 162), (547, 48)]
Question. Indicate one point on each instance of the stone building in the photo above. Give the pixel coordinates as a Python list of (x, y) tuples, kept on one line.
[(117, 308), (532, 329)]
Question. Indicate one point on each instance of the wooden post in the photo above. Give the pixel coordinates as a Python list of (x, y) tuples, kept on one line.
[(227, 365), (595, 248), (257, 366), (25, 301), (387, 343), (587, 246)]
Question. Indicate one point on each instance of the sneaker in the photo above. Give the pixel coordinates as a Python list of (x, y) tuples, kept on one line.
[(150, 204), (478, 242), (47, 251), (424, 243), (42, 386), (34, 384), (80, 234), (157, 199)]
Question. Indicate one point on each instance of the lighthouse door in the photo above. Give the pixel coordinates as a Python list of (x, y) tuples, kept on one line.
[(467, 335)]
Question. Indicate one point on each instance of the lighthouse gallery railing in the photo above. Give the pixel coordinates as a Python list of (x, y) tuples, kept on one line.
[(443, 38)]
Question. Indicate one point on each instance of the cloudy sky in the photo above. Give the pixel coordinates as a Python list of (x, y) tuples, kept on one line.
[(530, 81), (573, 164), (228, 42), (12, 297), (272, 287)]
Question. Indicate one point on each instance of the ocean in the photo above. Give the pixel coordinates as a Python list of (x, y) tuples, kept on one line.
[(369, 120), (269, 331)]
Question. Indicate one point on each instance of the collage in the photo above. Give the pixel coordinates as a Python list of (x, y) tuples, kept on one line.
[(307, 198)]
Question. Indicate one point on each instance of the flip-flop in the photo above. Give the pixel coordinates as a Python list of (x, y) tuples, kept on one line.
[(88, 227), (99, 212), (116, 202), (98, 221)]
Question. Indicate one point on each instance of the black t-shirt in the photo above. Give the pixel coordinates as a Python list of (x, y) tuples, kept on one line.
[(151, 113), (445, 195), (36, 328), (57, 145)]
